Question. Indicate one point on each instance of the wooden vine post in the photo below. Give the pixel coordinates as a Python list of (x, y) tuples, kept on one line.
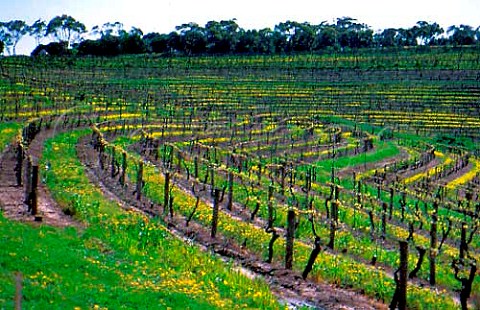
[(433, 244), (19, 154), (384, 220), (333, 217), (403, 204), (101, 152), (27, 181), (33, 193), (230, 191), (124, 169), (139, 181), (282, 179), (390, 204), (216, 200), (112, 164), (166, 192), (289, 239)]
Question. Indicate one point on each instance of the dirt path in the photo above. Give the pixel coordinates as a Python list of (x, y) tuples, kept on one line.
[(12, 196)]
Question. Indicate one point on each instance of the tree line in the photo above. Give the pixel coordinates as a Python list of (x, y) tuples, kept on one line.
[(225, 37)]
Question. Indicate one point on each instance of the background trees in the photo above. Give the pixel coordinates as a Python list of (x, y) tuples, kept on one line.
[(38, 30), (12, 32), (65, 29), (227, 37), (462, 35), (426, 32)]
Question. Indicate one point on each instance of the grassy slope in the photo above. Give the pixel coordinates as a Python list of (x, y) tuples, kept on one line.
[(122, 260)]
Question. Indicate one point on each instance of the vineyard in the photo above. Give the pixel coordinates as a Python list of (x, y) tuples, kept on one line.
[(316, 181)]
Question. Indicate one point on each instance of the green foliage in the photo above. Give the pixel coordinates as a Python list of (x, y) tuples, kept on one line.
[(8, 131)]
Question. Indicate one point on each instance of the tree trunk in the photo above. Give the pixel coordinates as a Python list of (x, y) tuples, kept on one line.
[(421, 255), (313, 256), (333, 223), (274, 238), (400, 295), (463, 241)]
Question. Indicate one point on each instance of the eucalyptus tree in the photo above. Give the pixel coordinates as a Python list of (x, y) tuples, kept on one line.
[(38, 30), (5, 38), (192, 38), (406, 37), (156, 42), (174, 42), (461, 35), (282, 37), (266, 42), (301, 36), (248, 42), (326, 36), (108, 29), (353, 34), (426, 32), (12, 32), (65, 28), (222, 37), (131, 42), (385, 38)]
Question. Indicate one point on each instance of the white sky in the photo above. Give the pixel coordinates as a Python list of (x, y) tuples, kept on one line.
[(162, 16)]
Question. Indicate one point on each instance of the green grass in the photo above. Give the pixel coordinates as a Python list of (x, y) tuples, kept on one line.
[(7, 133), (121, 260)]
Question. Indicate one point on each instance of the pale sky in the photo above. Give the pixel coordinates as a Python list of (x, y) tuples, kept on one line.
[(163, 16)]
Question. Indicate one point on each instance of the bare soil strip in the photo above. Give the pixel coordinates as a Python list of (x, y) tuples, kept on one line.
[(12, 196)]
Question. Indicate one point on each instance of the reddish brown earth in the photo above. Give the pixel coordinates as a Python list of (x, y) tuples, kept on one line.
[(12, 196)]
